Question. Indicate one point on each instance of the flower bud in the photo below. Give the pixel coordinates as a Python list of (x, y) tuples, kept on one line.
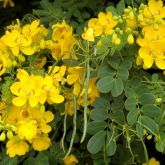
[(117, 41), (9, 134), (158, 100), (130, 39), (14, 63), (149, 137), (21, 58), (2, 136)]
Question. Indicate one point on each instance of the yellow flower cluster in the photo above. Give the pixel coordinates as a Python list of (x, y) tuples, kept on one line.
[(151, 14), (62, 42), (73, 76), (38, 91), (152, 50), (31, 129), (24, 40), (18, 41), (104, 24)]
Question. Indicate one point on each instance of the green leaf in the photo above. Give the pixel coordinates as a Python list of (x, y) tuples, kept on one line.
[(30, 161), (9, 161), (116, 87), (146, 98), (120, 6), (111, 148), (114, 62), (117, 116), (95, 126), (101, 103), (112, 10), (150, 125), (151, 110), (105, 70), (99, 114), (132, 116), (130, 103), (104, 84), (123, 73), (96, 142), (110, 144), (139, 130), (42, 159)]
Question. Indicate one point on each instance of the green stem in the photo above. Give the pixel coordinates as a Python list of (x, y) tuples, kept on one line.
[(74, 128), (64, 133), (145, 152), (85, 101)]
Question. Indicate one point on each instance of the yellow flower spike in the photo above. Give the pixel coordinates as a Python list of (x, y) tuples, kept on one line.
[(88, 34), (152, 161), (15, 146), (41, 143), (70, 160)]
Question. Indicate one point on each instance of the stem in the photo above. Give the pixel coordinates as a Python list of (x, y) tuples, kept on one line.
[(145, 152), (85, 101), (74, 128), (64, 133)]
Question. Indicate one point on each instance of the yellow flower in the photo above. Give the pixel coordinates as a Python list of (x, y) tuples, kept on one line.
[(152, 48), (58, 73), (50, 92), (88, 34), (27, 130), (153, 14), (5, 58), (104, 24), (70, 160), (74, 74), (15, 146), (152, 161), (41, 143), (24, 39), (63, 41)]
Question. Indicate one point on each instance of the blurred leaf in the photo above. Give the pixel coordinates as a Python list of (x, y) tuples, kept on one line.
[(151, 110), (132, 116), (120, 7), (95, 126), (96, 142), (150, 125)]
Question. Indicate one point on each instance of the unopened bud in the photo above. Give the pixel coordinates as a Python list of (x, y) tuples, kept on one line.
[(130, 39), (149, 137), (158, 100), (9, 134), (2, 136)]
